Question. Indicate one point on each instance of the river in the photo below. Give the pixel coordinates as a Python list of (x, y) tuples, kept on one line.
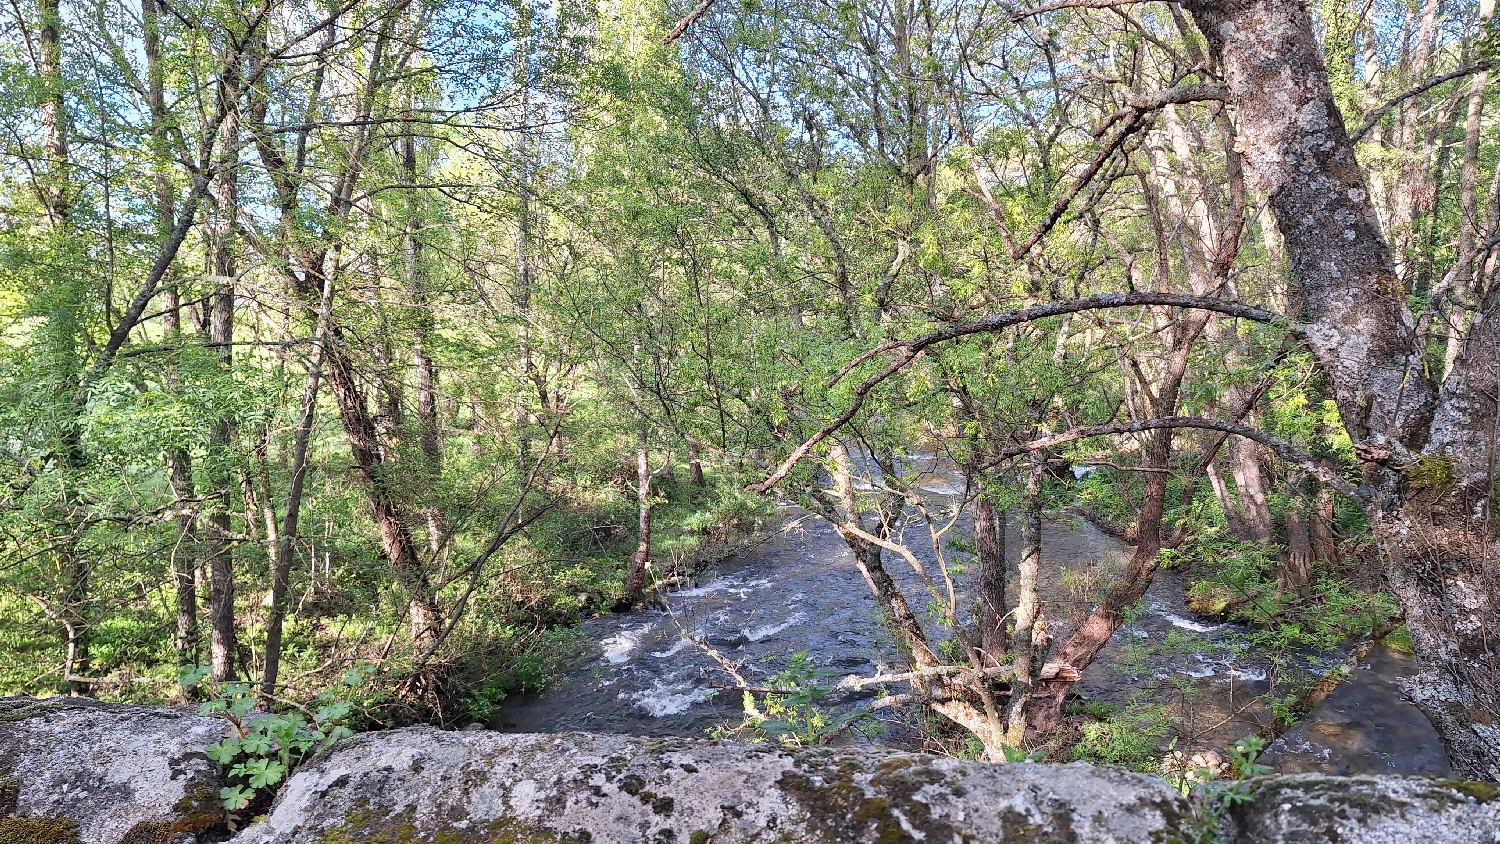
[(799, 590)]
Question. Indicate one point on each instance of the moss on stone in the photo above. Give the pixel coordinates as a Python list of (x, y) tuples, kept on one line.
[(23, 709), (363, 826), (38, 831), (632, 784), (149, 832), (699, 836), (1484, 792), (10, 792), (1208, 599)]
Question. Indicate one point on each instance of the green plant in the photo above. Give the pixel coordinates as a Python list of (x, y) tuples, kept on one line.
[(1131, 739), (263, 749), (1212, 800), (791, 713)]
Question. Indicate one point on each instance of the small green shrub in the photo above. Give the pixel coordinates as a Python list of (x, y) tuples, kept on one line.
[(1131, 739), (263, 749)]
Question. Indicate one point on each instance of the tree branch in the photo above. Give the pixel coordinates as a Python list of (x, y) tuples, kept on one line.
[(907, 350), (1281, 448), (1069, 4), (1120, 126), (686, 22), (1374, 117)]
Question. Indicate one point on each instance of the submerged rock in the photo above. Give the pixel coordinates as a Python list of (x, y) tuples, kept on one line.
[(77, 770), (426, 785)]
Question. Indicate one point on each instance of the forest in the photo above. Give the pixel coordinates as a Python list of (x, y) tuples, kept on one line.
[(363, 350)]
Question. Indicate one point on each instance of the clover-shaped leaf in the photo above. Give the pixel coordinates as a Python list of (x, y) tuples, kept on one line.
[(257, 744), (223, 752), (235, 797)]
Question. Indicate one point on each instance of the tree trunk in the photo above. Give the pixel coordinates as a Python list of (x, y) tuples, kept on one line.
[(430, 432), (900, 620), (989, 541), (1250, 487), (395, 535), (1461, 283), (1029, 642), (695, 466), (635, 585), (56, 197), (1428, 455), (1226, 500), (1325, 546), (1296, 564), (222, 647), (1045, 709), (291, 516)]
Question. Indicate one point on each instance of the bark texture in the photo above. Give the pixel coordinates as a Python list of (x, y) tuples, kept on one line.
[(989, 541), (1429, 453)]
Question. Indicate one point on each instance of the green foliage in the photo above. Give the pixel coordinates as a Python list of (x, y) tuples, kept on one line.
[(1211, 800), (263, 749), (1131, 738), (791, 714)]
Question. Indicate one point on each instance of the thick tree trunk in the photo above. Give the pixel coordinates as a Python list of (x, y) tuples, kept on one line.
[(1325, 546), (1296, 564), (1429, 456), (989, 541), (1250, 486), (395, 534)]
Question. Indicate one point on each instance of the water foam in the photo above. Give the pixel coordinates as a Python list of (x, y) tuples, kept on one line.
[(619, 647), (662, 699), (770, 630), (676, 646), (1185, 623)]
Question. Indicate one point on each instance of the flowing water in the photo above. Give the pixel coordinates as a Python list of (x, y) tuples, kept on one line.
[(800, 591)]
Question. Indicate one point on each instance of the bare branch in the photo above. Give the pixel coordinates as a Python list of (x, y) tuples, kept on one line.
[(907, 350), (1281, 448), (1120, 126), (686, 22), (1070, 4), (1417, 90)]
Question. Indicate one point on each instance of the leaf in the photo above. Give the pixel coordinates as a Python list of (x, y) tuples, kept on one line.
[(265, 772), (223, 752), (332, 712), (191, 675), (236, 797)]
